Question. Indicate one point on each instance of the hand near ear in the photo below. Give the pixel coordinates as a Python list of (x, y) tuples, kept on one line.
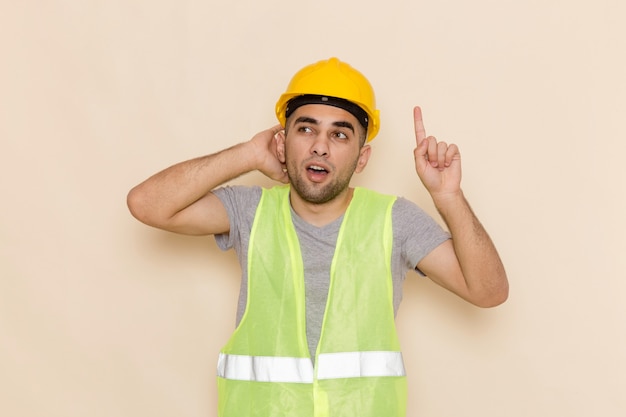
[(267, 153), (437, 164)]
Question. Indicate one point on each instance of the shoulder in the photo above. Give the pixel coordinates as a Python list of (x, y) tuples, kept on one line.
[(416, 233), (240, 203), (239, 195), (406, 208), (410, 221)]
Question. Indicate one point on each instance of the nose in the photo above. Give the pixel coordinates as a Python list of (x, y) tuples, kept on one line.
[(320, 146)]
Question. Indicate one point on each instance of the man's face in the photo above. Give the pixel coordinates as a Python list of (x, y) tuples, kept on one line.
[(321, 150)]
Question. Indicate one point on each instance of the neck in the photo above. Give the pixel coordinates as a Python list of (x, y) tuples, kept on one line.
[(321, 214)]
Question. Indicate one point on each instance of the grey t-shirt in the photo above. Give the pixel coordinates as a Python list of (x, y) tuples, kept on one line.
[(415, 234)]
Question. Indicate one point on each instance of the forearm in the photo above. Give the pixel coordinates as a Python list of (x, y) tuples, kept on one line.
[(482, 269), (165, 194)]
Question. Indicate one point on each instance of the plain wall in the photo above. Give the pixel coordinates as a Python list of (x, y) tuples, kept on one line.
[(102, 316)]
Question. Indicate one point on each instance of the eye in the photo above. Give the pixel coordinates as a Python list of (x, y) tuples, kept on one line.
[(305, 129), (341, 135)]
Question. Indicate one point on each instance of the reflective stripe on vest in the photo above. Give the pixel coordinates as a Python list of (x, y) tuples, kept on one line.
[(300, 370), (265, 368), (359, 365)]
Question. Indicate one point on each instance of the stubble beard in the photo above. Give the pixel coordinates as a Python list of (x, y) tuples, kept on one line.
[(318, 193)]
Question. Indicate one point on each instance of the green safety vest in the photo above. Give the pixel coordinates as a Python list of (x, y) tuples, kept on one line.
[(265, 369)]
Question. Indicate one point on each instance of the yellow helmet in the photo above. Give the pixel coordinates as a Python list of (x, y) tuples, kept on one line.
[(325, 80)]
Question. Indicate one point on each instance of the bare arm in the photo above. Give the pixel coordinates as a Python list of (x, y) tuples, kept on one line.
[(179, 198), (469, 264)]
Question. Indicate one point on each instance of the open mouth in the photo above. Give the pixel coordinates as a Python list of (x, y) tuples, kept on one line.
[(316, 173), (316, 169)]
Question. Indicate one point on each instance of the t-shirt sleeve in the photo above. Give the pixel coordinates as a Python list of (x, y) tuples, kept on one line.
[(417, 232), (240, 203)]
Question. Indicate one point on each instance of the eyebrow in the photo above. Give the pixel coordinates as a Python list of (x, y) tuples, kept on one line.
[(305, 119), (342, 123), (345, 124)]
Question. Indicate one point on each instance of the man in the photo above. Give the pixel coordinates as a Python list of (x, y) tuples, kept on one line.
[(322, 262)]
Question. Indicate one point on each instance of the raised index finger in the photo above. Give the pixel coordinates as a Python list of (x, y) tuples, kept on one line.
[(420, 132)]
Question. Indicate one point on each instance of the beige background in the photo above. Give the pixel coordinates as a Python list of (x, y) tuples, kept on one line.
[(102, 316)]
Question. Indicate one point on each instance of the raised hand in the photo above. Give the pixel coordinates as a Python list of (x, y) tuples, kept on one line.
[(267, 158), (437, 164)]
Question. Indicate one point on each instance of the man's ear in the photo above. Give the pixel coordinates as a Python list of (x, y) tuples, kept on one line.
[(280, 145), (364, 156)]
